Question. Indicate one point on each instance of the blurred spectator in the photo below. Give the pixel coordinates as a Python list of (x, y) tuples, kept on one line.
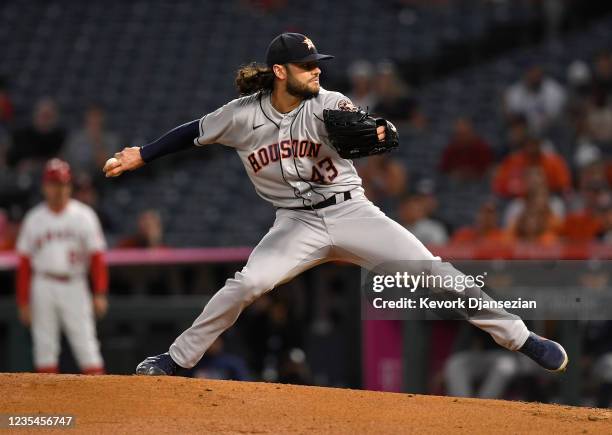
[(419, 123), (605, 234), (602, 80), (148, 280), (85, 191), (586, 150), (586, 222), (536, 224), (517, 134), (88, 148), (478, 368), (362, 87), (425, 190), (7, 112), (591, 115), (467, 156), (385, 180), (533, 220), (41, 140), (414, 215), (537, 193), (554, 13), (150, 232), (540, 99), (485, 229), (579, 87), (511, 177), (579, 77), (394, 101), (595, 173), (218, 364), (599, 118)]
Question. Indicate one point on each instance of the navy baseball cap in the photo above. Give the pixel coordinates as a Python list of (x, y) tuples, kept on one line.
[(292, 48)]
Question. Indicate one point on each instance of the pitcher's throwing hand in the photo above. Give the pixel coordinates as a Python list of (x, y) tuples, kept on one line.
[(126, 160)]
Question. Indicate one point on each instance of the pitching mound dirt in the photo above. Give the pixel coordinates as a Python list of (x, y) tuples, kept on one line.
[(131, 404)]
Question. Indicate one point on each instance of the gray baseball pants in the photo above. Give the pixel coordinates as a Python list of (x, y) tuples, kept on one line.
[(355, 231)]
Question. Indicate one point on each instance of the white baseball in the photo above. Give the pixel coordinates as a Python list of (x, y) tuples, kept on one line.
[(111, 163)]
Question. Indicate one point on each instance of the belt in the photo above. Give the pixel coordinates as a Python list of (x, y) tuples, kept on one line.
[(332, 200), (57, 276)]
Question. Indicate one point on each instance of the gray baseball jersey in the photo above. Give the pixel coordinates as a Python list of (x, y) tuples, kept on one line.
[(291, 163), (287, 156)]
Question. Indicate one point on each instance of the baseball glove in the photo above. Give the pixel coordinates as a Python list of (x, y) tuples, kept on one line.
[(353, 133)]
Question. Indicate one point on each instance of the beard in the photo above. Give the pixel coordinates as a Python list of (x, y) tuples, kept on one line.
[(300, 90)]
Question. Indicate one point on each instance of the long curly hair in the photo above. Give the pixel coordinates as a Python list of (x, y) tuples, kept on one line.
[(253, 78)]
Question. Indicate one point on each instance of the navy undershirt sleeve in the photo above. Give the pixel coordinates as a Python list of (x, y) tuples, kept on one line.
[(177, 139)]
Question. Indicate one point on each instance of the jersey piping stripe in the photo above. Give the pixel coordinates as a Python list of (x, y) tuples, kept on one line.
[(280, 163), (295, 163)]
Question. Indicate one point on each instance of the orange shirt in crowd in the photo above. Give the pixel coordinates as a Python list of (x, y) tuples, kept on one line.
[(469, 235), (581, 226), (542, 229), (510, 179), (546, 238)]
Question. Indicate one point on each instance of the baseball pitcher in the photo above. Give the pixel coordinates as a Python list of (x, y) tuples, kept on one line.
[(59, 242), (296, 140)]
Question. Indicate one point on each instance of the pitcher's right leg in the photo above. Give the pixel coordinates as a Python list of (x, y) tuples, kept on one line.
[(296, 242)]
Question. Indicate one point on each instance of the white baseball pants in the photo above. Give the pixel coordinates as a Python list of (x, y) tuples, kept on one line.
[(67, 306)]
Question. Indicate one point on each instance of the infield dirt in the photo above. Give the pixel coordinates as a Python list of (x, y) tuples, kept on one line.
[(131, 404)]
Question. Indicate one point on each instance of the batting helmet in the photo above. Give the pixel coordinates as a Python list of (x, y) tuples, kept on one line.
[(58, 171)]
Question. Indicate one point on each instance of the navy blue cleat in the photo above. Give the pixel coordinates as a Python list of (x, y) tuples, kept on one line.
[(158, 365), (547, 353)]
